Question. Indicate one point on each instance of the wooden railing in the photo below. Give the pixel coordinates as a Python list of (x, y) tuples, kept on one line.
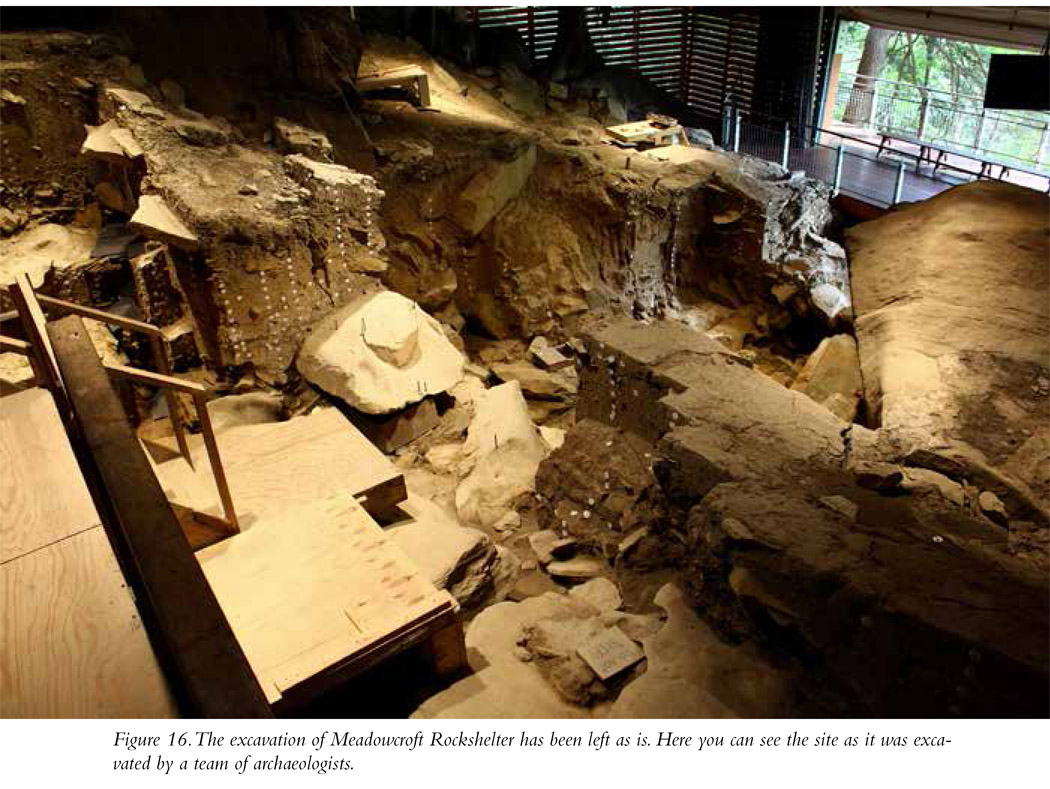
[(38, 349)]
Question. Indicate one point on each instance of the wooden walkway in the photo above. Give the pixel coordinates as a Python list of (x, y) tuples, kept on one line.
[(71, 642)]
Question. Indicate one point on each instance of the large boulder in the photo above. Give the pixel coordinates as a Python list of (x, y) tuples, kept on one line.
[(460, 560), (380, 353), (831, 376), (953, 320), (507, 449)]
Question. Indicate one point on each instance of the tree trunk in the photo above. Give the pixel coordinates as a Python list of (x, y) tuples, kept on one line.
[(859, 108), (573, 55)]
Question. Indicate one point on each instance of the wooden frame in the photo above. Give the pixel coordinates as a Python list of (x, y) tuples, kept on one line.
[(647, 133), (197, 392), (403, 77), (45, 369)]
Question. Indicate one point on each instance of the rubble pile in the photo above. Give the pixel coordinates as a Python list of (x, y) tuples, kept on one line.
[(807, 533)]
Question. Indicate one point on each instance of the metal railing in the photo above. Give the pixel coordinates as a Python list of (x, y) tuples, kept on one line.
[(956, 121), (852, 165)]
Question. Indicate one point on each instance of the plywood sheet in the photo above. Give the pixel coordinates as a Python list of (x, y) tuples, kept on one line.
[(679, 154), (72, 644), (310, 588), (285, 465), (43, 497)]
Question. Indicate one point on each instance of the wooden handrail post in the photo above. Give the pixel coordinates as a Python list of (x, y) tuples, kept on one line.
[(213, 458), (160, 358), (34, 324)]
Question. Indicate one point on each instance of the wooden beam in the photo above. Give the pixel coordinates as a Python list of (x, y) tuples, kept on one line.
[(11, 345), (45, 367), (155, 379), (189, 628), (100, 315)]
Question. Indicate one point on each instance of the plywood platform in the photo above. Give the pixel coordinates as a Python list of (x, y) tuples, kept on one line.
[(42, 498), (285, 465), (312, 593), (71, 642)]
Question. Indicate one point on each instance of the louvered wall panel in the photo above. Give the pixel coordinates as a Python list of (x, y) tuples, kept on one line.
[(762, 59), (722, 56), (647, 40)]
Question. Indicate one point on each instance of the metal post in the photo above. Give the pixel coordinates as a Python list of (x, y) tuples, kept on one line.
[(924, 108), (874, 103), (839, 158), (980, 140), (1041, 153), (787, 145), (898, 187), (736, 130)]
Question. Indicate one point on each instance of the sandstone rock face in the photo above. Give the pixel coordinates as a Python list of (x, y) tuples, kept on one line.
[(831, 376), (507, 448), (265, 244), (490, 190), (380, 353), (953, 319), (779, 501)]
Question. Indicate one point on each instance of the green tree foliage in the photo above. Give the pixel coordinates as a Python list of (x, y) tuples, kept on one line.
[(951, 75)]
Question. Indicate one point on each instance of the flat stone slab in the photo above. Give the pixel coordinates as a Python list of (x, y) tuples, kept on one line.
[(579, 568), (609, 653), (156, 221)]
